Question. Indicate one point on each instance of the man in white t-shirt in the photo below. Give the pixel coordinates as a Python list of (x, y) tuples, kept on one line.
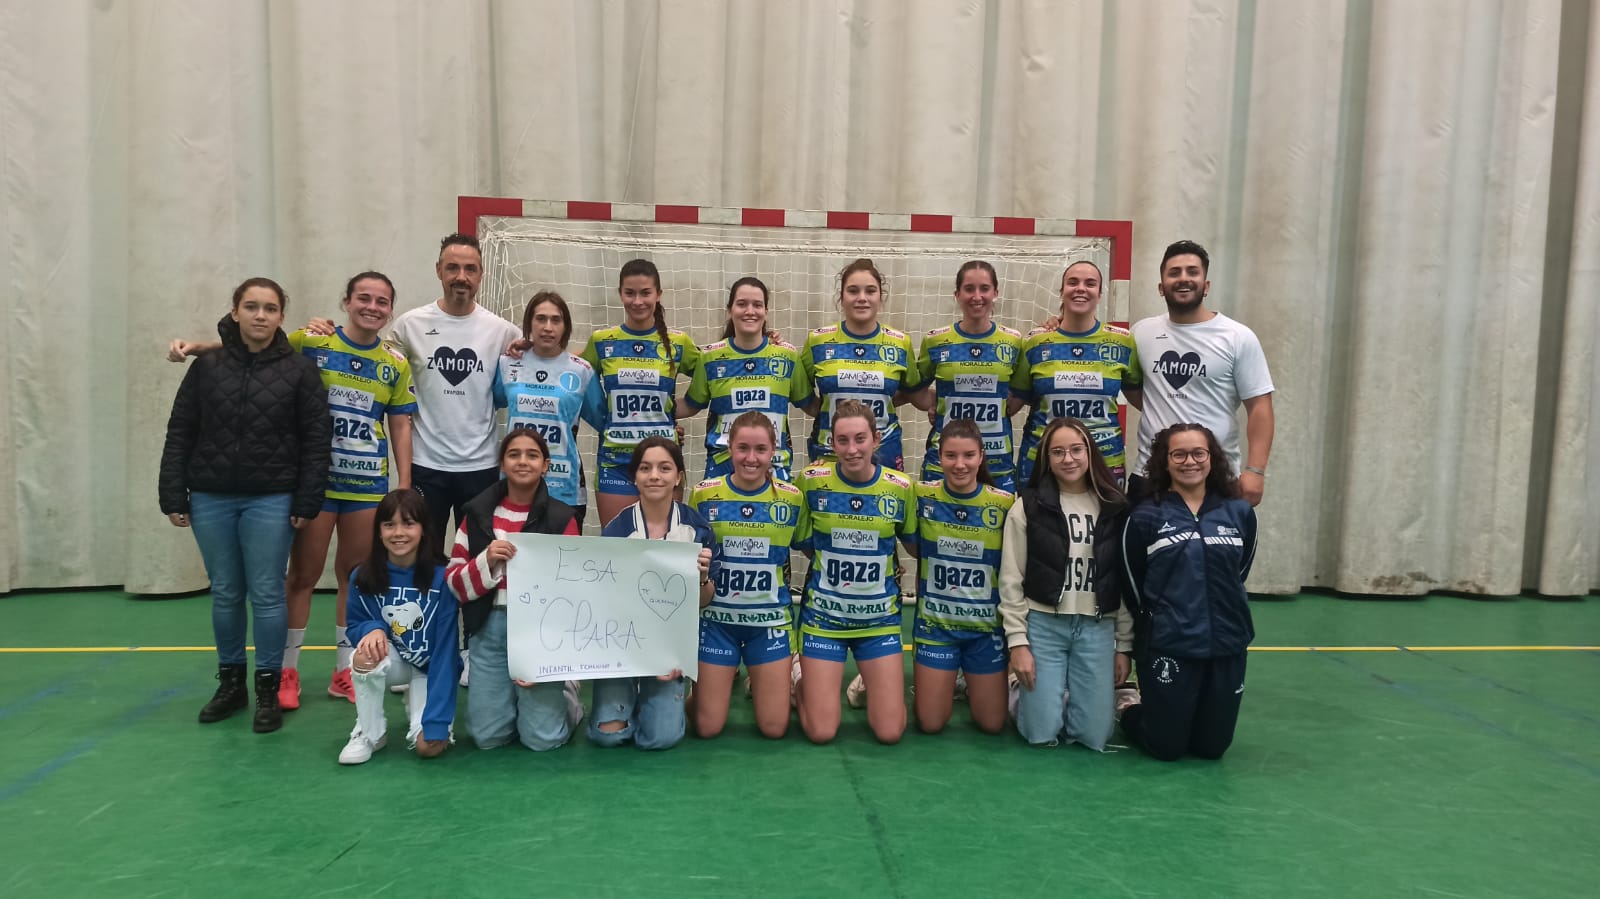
[(1200, 366), (453, 345)]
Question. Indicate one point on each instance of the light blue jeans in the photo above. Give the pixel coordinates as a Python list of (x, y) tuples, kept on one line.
[(244, 541), (1075, 653), (498, 709), (652, 710)]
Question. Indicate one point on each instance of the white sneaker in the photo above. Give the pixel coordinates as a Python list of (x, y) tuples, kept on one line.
[(359, 749), (794, 681), (1127, 698), (574, 704), (749, 691), (1013, 695), (466, 663), (961, 686), (855, 695), (400, 688)]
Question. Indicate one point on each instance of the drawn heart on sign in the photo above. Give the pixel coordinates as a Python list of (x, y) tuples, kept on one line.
[(1179, 369), (456, 366), (663, 597)]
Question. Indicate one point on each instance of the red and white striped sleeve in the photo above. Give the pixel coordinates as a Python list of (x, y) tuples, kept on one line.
[(470, 577)]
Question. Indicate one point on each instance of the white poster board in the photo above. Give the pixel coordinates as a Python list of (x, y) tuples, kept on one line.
[(581, 608)]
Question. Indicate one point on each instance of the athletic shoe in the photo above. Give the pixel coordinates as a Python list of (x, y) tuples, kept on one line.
[(359, 749), (794, 681), (1013, 695), (855, 695), (574, 704), (289, 689), (231, 695), (1127, 698), (400, 688), (466, 663), (961, 685), (340, 687)]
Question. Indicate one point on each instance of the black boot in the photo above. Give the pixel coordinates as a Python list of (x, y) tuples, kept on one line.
[(269, 716), (231, 695)]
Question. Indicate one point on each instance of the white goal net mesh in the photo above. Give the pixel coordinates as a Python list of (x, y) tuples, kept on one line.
[(580, 259)]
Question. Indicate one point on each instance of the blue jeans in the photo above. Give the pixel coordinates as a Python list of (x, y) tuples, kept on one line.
[(498, 709), (1075, 653), (244, 541), (652, 712)]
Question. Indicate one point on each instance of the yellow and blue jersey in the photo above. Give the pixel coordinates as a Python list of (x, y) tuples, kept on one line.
[(971, 376), (844, 366), (365, 383), (638, 383), (754, 532), (958, 569), (730, 382), (1076, 375), (851, 589)]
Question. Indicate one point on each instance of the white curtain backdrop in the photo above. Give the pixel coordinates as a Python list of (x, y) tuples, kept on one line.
[(1402, 198)]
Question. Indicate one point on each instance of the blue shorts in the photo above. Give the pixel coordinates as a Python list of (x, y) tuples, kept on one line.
[(729, 644), (614, 480), (945, 650), (715, 469), (932, 472), (341, 506), (865, 649)]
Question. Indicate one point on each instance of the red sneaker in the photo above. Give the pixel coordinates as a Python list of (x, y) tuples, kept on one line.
[(340, 686), (289, 690)]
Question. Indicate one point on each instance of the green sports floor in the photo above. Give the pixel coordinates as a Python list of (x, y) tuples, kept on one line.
[(1441, 747)]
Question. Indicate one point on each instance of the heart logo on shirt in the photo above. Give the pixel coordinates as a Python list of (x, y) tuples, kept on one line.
[(456, 366), (1176, 369), (663, 597), (541, 376)]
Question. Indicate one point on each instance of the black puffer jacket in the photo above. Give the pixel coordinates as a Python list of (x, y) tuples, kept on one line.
[(248, 423)]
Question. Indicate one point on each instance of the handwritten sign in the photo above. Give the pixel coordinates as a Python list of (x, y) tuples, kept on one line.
[(580, 608)]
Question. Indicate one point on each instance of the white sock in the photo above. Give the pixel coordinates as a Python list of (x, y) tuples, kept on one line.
[(345, 651), (291, 647)]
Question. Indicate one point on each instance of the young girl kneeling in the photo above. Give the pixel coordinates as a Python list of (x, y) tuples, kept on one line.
[(402, 621)]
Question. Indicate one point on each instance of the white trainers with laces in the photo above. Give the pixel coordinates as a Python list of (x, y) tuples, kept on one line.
[(1126, 697), (359, 749), (855, 695), (465, 664)]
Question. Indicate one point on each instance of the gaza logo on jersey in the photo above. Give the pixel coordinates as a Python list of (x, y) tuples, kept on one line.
[(851, 538), (976, 383), (455, 365), (745, 547), (860, 379), (959, 548)]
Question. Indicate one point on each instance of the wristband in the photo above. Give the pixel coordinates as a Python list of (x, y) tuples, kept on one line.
[(1259, 471)]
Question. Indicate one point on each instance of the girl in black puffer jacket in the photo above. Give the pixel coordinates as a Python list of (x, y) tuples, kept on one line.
[(245, 463)]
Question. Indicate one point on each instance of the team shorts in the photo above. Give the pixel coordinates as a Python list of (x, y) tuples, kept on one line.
[(974, 653), (614, 480), (729, 644), (341, 506), (932, 472), (833, 649), (715, 469)]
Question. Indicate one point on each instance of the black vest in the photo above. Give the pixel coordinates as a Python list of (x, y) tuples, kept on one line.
[(546, 516), (1049, 550)]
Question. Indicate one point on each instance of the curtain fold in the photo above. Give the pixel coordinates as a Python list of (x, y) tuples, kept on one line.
[(1381, 185)]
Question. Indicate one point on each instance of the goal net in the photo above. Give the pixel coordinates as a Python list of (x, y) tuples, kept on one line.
[(576, 249)]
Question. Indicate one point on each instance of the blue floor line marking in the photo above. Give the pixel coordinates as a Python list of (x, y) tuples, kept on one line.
[(37, 776), (1456, 711)]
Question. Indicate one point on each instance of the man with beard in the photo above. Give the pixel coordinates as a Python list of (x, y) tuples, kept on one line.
[(453, 346), (1199, 366)]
